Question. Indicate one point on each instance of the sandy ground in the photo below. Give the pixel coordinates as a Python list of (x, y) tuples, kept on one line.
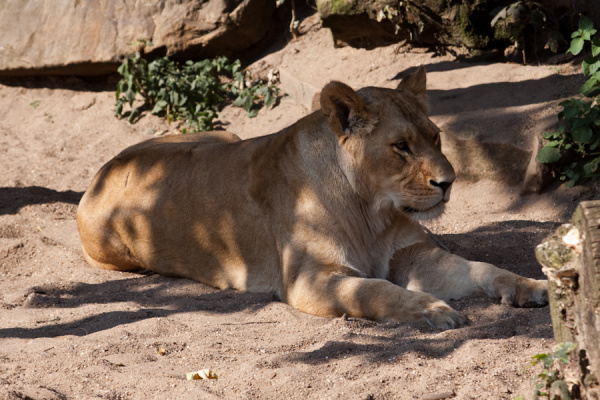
[(68, 331)]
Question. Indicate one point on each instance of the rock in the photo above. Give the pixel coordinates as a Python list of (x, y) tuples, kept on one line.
[(430, 22), (217, 27), (70, 37), (433, 22)]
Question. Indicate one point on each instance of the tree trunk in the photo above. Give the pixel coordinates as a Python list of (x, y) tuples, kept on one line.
[(571, 260)]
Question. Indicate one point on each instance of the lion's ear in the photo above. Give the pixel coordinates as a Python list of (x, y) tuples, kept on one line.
[(416, 84), (346, 110)]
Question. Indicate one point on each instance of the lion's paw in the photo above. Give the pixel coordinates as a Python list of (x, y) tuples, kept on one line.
[(522, 292), (440, 315)]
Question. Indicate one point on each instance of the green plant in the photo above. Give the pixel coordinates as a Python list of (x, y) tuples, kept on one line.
[(551, 383), (192, 91), (403, 15), (590, 65), (573, 152)]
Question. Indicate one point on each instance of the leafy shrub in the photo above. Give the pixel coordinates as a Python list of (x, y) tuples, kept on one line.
[(404, 15), (193, 91), (523, 22), (573, 152), (551, 383)]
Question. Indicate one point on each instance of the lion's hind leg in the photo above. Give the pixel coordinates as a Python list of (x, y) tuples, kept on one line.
[(121, 265), (102, 246)]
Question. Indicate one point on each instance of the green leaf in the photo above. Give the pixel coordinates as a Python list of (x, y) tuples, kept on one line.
[(122, 68), (585, 24), (134, 113), (590, 65), (569, 112), (244, 100), (130, 95), (548, 155), (595, 47), (159, 106), (119, 109), (553, 143), (119, 89), (562, 350), (269, 99), (183, 100), (253, 112), (588, 88), (571, 182), (548, 135), (587, 35), (590, 168), (577, 123), (576, 46)]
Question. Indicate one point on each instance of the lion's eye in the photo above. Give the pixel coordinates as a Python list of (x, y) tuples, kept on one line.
[(401, 146), (436, 139)]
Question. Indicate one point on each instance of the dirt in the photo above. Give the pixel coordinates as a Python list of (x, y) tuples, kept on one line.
[(68, 331)]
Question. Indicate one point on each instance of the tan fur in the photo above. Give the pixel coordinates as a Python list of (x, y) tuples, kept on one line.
[(323, 213)]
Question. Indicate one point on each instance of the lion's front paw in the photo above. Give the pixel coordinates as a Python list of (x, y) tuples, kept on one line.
[(440, 315), (522, 292)]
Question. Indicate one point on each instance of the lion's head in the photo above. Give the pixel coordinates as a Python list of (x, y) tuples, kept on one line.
[(389, 149)]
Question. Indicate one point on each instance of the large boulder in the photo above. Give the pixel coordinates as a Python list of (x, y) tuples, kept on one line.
[(92, 37), (466, 23)]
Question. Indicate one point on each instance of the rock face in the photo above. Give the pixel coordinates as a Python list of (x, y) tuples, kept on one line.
[(91, 37), (439, 22)]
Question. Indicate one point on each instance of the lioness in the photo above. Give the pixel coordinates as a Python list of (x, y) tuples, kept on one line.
[(323, 213)]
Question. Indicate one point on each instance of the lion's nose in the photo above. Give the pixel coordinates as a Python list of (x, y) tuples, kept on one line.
[(442, 185), (445, 186)]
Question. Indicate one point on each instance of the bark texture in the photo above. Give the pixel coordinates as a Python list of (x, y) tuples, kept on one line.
[(571, 260)]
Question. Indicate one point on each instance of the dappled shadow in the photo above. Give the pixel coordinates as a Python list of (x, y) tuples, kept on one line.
[(156, 296), (84, 326), (492, 95), (490, 129), (378, 349), (507, 244), (12, 199), (386, 342), (498, 95)]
